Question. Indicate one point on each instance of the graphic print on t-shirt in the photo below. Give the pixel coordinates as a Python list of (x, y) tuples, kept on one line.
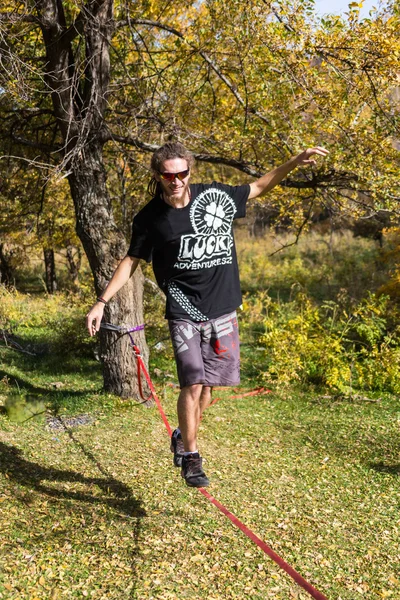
[(192, 249), (185, 303), (211, 216)]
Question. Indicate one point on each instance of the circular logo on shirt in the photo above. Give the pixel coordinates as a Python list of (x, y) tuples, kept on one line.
[(212, 212)]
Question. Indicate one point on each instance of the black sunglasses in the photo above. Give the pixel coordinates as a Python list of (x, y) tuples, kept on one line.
[(171, 176)]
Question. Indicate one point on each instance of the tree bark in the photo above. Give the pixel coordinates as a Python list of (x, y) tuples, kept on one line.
[(50, 270), (80, 101), (105, 247), (6, 270), (74, 264), (116, 351)]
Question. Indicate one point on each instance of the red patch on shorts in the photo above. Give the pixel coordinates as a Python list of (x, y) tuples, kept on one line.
[(219, 349)]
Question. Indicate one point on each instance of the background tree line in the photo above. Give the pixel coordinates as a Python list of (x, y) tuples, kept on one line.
[(89, 89)]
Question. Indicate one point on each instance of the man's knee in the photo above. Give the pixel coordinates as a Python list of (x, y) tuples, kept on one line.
[(192, 391)]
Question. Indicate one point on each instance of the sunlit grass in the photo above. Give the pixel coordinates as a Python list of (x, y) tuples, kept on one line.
[(99, 511)]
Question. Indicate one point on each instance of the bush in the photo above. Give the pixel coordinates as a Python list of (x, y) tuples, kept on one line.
[(320, 264), (338, 344), (55, 321)]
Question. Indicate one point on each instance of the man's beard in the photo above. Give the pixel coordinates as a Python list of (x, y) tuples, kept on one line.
[(177, 198)]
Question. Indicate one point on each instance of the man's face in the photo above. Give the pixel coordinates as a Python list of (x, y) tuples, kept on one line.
[(176, 189)]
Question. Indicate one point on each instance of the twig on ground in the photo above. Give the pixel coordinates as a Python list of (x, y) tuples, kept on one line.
[(11, 343)]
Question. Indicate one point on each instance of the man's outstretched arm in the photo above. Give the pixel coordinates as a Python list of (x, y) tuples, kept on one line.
[(122, 273), (271, 179)]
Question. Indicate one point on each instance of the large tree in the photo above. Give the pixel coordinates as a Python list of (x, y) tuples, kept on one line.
[(66, 108), (90, 87)]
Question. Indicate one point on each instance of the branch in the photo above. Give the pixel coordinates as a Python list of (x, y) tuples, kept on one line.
[(37, 145), (32, 162), (11, 17), (240, 165), (207, 59), (9, 342), (107, 137), (74, 30), (28, 112), (237, 164), (330, 178), (150, 23), (298, 232)]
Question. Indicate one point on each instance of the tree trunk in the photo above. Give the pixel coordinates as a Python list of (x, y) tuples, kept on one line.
[(74, 264), (118, 359), (6, 270), (105, 246), (80, 103), (50, 270)]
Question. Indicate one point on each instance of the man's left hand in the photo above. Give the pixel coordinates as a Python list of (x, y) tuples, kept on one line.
[(305, 157)]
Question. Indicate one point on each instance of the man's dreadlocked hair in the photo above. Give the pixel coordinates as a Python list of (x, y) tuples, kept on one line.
[(166, 152)]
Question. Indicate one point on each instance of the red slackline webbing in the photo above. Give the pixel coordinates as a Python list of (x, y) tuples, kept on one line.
[(141, 366), (275, 557), (250, 534), (255, 392)]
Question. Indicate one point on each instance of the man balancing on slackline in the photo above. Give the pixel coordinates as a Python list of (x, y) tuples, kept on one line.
[(186, 231)]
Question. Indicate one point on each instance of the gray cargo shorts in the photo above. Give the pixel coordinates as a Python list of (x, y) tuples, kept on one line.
[(207, 352)]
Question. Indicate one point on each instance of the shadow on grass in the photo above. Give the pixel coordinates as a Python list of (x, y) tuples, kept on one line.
[(385, 468), (31, 388), (51, 356), (55, 364), (32, 475), (117, 495)]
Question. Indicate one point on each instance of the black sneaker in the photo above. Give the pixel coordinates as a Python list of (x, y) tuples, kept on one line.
[(192, 471), (177, 448)]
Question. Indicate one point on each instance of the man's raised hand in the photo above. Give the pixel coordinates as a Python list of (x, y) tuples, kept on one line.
[(305, 157)]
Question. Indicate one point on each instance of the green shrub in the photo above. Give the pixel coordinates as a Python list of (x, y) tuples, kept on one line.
[(56, 320), (337, 345), (322, 265)]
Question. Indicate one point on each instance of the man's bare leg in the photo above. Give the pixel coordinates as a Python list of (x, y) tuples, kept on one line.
[(205, 398), (189, 415)]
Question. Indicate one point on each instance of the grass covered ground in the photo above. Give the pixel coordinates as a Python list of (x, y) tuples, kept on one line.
[(98, 511)]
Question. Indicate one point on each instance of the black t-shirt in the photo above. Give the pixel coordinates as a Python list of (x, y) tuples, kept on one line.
[(192, 250)]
